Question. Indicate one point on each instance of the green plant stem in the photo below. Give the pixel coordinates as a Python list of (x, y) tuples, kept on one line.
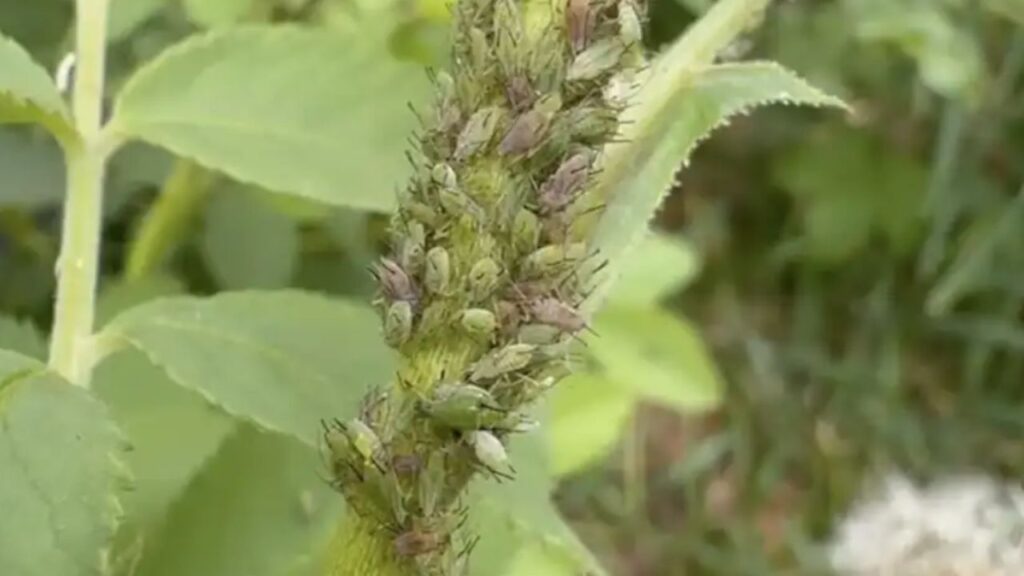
[(170, 216), (70, 351)]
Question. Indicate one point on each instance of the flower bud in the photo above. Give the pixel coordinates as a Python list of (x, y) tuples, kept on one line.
[(483, 278), (479, 322), (438, 270), (398, 323)]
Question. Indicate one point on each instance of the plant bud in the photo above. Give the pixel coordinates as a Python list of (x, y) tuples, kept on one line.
[(530, 128), (354, 438), (438, 270), (483, 278), (444, 176), (525, 232), (477, 133), (502, 361), (600, 58), (479, 50), (564, 185), (489, 451), (552, 259), (479, 322), (421, 212), (631, 30), (398, 323)]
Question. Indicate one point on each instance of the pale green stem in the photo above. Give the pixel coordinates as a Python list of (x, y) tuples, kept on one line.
[(161, 230), (70, 348)]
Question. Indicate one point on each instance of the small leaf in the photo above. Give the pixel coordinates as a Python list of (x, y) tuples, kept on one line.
[(519, 514), (657, 355), (58, 475), (257, 508), (660, 266), (283, 360), (32, 168), (247, 243), (321, 114), (217, 13), (23, 337), (668, 121), (28, 95), (588, 413)]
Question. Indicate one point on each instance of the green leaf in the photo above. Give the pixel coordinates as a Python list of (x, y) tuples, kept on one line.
[(283, 360), (28, 95), (127, 15), (217, 13), (32, 168), (659, 267), (519, 514), (323, 114), (657, 355), (57, 448), (247, 243), (258, 508), (172, 432), (588, 414), (121, 295), (23, 337), (675, 110)]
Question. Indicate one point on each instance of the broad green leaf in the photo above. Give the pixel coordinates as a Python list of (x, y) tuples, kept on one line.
[(283, 360), (657, 355), (679, 105), (659, 267), (322, 115), (40, 26), (587, 416), (57, 473), (127, 15), (121, 295), (217, 13), (23, 337), (258, 508), (519, 514), (32, 168), (28, 95), (247, 243), (172, 432)]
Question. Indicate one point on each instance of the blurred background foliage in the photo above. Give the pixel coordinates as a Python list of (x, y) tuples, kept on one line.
[(827, 298)]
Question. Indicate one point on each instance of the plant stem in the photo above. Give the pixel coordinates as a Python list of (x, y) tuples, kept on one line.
[(182, 196), (70, 351)]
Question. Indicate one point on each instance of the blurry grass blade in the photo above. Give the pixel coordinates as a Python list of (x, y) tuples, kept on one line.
[(668, 121), (285, 108), (28, 95), (57, 457), (283, 360), (976, 258)]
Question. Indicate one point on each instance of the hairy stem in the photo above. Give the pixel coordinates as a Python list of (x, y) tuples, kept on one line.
[(77, 267)]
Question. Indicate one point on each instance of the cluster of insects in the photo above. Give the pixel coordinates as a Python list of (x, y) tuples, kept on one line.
[(486, 261)]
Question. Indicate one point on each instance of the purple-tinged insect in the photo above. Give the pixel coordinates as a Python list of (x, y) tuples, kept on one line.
[(564, 186), (519, 92), (580, 20), (554, 312), (395, 282), (530, 128), (406, 465), (477, 133)]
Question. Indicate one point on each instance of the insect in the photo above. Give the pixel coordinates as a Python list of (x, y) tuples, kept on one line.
[(462, 406), (490, 453), (479, 321), (530, 128), (502, 361), (580, 20), (395, 282), (483, 278), (553, 312), (398, 323), (563, 187), (477, 133), (438, 270)]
